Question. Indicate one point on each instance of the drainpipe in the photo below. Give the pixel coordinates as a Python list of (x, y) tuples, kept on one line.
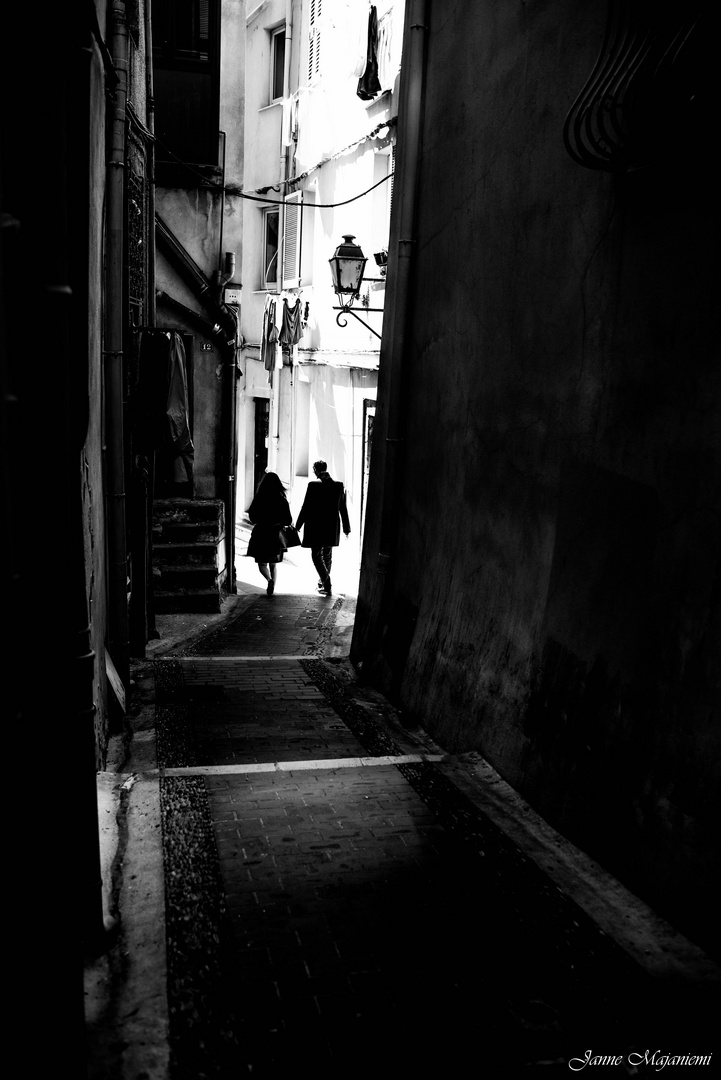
[(219, 279), (150, 123), (118, 628), (225, 272), (151, 315), (396, 330), (284, 150)]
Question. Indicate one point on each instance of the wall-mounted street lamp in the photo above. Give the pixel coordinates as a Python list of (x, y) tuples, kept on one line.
[(346, 269)]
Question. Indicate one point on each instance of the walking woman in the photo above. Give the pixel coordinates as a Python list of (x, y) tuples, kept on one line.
[(268, 512)]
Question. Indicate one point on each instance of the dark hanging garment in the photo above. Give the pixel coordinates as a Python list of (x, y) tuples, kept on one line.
[(152, 393), (292, 328), (369, 84), (164, 421), (176, 412), (269, 336)]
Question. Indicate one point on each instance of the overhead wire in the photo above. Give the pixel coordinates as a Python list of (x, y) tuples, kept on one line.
[(255, 197)]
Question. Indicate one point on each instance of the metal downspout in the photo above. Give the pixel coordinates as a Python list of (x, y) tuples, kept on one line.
[(150, 122), (396, 330), (232, 391), (227, 439), (118, 635), (285, 167)]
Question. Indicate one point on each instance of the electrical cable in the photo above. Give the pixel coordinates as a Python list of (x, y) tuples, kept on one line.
[(292, 180), (319, 206)]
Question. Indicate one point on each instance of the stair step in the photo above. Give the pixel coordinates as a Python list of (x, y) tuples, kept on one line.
[(187, 577), (189, 572), (186, 600), (200, 554), (197, 532), (188, 511)]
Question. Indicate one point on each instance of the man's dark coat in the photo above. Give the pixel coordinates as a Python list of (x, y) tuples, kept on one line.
[(323, 510)]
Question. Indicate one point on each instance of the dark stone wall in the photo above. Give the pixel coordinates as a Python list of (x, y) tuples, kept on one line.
[(552, 599)]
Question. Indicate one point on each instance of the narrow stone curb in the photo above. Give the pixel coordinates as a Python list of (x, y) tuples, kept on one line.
[(315, 765)]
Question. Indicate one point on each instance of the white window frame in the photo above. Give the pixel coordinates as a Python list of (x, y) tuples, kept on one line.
[(270, 283), (275, 33)]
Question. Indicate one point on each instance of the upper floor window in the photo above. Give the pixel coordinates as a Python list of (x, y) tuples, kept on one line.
[(283, 256), (277, 64), (186, 78), (182, 31)]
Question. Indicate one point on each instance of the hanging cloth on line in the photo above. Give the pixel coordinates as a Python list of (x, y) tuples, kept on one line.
[(292, 327), (369, 84), (269, 336)]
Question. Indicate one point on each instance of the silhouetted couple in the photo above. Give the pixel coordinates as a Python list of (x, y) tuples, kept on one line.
[(324, 510)]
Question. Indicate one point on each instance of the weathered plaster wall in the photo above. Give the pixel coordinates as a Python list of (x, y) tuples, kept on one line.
[(553, 601), (194, 217)]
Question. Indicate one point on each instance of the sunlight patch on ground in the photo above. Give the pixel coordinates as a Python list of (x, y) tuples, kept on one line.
[(296, 574)]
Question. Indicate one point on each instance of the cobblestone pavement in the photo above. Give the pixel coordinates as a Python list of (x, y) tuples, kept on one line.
[(335, 906)]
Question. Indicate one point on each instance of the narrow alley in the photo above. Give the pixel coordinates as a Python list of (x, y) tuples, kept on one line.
[(338, 898)]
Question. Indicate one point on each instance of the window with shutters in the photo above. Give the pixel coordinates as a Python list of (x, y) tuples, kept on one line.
[(292, 240), (314, 46), (392, 179), (186, 82), (182, 29)]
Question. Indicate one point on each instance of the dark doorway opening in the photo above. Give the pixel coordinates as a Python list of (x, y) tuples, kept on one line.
[(262, 430), (369, 412)]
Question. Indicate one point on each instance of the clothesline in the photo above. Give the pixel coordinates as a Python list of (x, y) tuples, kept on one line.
[(282, 330)]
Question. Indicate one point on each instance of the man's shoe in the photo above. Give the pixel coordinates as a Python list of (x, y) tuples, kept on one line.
[(323, 591)]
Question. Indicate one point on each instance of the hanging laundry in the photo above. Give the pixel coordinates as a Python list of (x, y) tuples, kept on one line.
[(292, 325), (369, 85), (286, 125), (163, 404), (390, 44), (269, 335), (177, 414), (345, 34)]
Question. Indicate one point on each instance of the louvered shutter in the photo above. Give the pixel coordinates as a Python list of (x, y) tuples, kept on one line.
[(392, 180), (292, 240), (314, 40)]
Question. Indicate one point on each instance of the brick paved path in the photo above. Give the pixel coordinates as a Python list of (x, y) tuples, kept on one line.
[(335, 914)]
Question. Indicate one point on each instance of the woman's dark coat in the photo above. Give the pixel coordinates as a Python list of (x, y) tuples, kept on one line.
[(268, 515), (323, 510)]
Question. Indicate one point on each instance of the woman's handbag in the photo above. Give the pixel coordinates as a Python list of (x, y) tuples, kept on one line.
[(290, 536)]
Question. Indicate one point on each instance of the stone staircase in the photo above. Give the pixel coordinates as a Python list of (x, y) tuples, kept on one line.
[(189, 571)]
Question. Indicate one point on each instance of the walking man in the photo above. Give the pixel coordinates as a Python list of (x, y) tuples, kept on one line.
[(323, 510)]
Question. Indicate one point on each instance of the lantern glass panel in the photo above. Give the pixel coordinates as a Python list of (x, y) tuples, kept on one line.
[(350, 274)]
